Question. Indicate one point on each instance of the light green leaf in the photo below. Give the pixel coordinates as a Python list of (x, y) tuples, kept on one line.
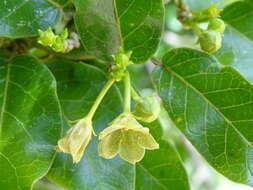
[(106, 25), (213, 106), (78, 86), (30, 122), (238, 39), (23, 18)]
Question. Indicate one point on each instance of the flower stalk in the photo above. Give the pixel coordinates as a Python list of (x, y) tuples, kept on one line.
[(127, 93)]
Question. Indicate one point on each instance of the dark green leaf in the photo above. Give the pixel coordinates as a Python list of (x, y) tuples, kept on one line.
[(30, 122), (106, 25), (23, 18), (238, 39), (213, 106)]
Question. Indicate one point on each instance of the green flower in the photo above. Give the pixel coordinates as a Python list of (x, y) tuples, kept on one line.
[(47, 38), (76, 140), (126, 137), (147, 109), (210, 41)]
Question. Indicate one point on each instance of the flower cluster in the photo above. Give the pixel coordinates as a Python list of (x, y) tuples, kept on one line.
[(125, 135)]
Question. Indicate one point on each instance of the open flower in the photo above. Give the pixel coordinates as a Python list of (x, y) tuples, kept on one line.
[(126, 137), (76, 140)]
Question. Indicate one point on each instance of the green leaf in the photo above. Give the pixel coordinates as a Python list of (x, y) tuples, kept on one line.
[(104, 26), (161, 169), (78, 86), (213, 106), (30, 122), (23, 18), (238, 39)]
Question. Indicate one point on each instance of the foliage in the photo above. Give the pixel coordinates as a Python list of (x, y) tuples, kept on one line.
[(79, 108)]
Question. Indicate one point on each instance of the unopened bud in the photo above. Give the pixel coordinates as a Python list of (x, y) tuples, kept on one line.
[(210, 41), (147, 109)]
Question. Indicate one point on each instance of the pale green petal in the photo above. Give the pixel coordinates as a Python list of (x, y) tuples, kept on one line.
[(110, 130), (123, 121), (80, 135), (76, 140), (108, 147), (147, 141), (77, 157), (129, 149), (63, 144)]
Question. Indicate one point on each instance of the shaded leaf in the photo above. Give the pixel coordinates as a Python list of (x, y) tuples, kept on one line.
[(106, 25), (213, 106), (30, 122), (23, 18)]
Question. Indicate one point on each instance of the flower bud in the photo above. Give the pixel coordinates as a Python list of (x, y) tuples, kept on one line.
[(47, 38), (76, 140), (147, 109), (122, 60), (126, 137), (210, 41), (217, 25), (59, 45)]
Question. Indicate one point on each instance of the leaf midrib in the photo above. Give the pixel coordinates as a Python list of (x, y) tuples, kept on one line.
[(208, 101)]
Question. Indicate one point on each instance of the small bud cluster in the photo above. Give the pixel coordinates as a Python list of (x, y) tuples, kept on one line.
[(59, 43), (122, 60), (210, 39)]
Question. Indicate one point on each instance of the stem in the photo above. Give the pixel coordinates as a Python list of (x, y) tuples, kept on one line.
[(196, 29), (127, 93), (135, 95), (99, 98)]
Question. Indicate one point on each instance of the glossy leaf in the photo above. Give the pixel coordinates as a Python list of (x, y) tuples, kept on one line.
[(238, 39), (106, 25), (30, 122), (213, 106), (23, 18), (77, 89)]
